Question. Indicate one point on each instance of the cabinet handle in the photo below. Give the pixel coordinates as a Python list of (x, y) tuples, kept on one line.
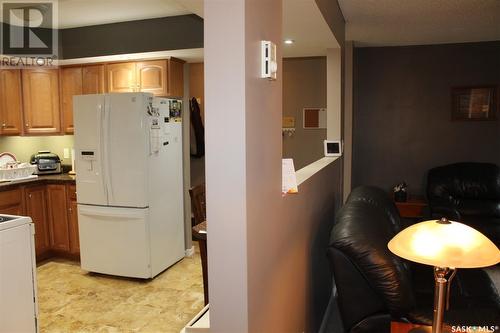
[(27, 125), (70, 209), (4, 125), (29, 195)]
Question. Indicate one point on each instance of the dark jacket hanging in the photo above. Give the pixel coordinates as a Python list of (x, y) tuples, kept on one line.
[(199, 130)]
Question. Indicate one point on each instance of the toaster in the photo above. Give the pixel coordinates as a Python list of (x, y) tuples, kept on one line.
[(46, 162)]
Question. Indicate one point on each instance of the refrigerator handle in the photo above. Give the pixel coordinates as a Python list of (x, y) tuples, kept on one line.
[(101, 145), (107, 160), (107, 212)]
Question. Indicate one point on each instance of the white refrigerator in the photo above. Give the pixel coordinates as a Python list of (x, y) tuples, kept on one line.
[(129, 184)]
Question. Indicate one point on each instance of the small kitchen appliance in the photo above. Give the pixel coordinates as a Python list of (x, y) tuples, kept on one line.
[(46, 162)]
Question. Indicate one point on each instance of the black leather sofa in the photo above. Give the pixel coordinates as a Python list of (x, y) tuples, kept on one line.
[(469, 193), (372, 286)]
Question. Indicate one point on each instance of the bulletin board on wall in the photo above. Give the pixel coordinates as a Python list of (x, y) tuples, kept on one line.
[(314, 118)]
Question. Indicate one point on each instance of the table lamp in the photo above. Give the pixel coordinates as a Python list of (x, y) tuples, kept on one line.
[(446, 245)]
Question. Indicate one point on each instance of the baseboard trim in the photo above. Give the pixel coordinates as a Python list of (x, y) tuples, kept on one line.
[(190, 252)]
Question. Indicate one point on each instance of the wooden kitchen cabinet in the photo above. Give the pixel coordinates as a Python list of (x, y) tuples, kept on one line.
[(175, 78), (36, 208), (53, 209), (58, 217), (74, 237), (93, 79), (11, 117), (121, 77), (11, 202), (41, 101), (78, 80), (160, 77), (152, 77), (71, 85)]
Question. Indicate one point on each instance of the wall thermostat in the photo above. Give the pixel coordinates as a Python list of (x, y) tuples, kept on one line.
[(269, 62), (333, 148)]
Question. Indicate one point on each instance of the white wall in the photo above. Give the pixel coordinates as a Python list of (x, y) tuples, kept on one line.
[(225, 164), (334, 93), (267, 260)]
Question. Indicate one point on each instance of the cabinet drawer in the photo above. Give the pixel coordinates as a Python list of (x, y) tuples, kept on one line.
[(11, 198), (72, 192)]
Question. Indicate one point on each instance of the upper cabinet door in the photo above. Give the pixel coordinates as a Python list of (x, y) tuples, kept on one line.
[(93, 79), (11, 120), (41, 101), (121, 77), (71, 85), (175, 78), (152, 77)]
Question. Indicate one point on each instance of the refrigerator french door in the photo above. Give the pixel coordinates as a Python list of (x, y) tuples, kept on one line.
[(127, 162)]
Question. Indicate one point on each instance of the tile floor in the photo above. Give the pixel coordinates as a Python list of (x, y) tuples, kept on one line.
[(71, 300)]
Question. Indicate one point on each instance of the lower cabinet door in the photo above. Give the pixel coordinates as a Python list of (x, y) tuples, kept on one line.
[(11, 202), (58, 217), (74, 238), (36, 208)]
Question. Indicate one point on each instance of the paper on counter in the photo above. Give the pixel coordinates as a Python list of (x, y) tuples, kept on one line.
[(289, 182)]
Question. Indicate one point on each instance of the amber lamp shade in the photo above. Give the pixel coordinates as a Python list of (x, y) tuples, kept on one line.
[(446, 245), (449, 244)]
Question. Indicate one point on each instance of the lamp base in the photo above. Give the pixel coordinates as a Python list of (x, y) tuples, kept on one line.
[(427, 329), (443, 277)]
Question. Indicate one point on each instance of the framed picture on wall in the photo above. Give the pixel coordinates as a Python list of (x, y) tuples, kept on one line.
[(474, 103)]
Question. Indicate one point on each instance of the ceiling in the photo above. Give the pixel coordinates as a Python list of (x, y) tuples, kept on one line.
[(304, 23), (418, 22), (78, 13), (302, 20)]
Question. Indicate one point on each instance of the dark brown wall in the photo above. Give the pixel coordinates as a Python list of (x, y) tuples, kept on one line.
[(304, 85), (160, 34), (330, 9), (402, 108)]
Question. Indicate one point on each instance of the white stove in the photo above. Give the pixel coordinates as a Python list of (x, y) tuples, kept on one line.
[(18, 299), (10, 221)]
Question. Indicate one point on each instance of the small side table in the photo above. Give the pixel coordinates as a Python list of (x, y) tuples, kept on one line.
[(413, 208)]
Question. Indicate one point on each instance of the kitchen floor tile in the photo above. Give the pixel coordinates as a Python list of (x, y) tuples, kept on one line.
[(71, 300)]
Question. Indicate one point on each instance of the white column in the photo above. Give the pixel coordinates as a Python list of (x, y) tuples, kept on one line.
[(334, 93), (225, 164)]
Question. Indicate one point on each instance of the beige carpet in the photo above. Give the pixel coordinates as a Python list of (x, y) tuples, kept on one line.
[(71, 300)]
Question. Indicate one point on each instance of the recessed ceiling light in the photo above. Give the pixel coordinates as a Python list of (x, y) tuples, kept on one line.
[(289, 41)]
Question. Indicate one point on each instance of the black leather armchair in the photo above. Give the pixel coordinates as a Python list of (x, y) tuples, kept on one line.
[(372, 286), (469, 193)]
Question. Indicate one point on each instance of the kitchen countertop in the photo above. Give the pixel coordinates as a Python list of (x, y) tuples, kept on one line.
[(40, 180)]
